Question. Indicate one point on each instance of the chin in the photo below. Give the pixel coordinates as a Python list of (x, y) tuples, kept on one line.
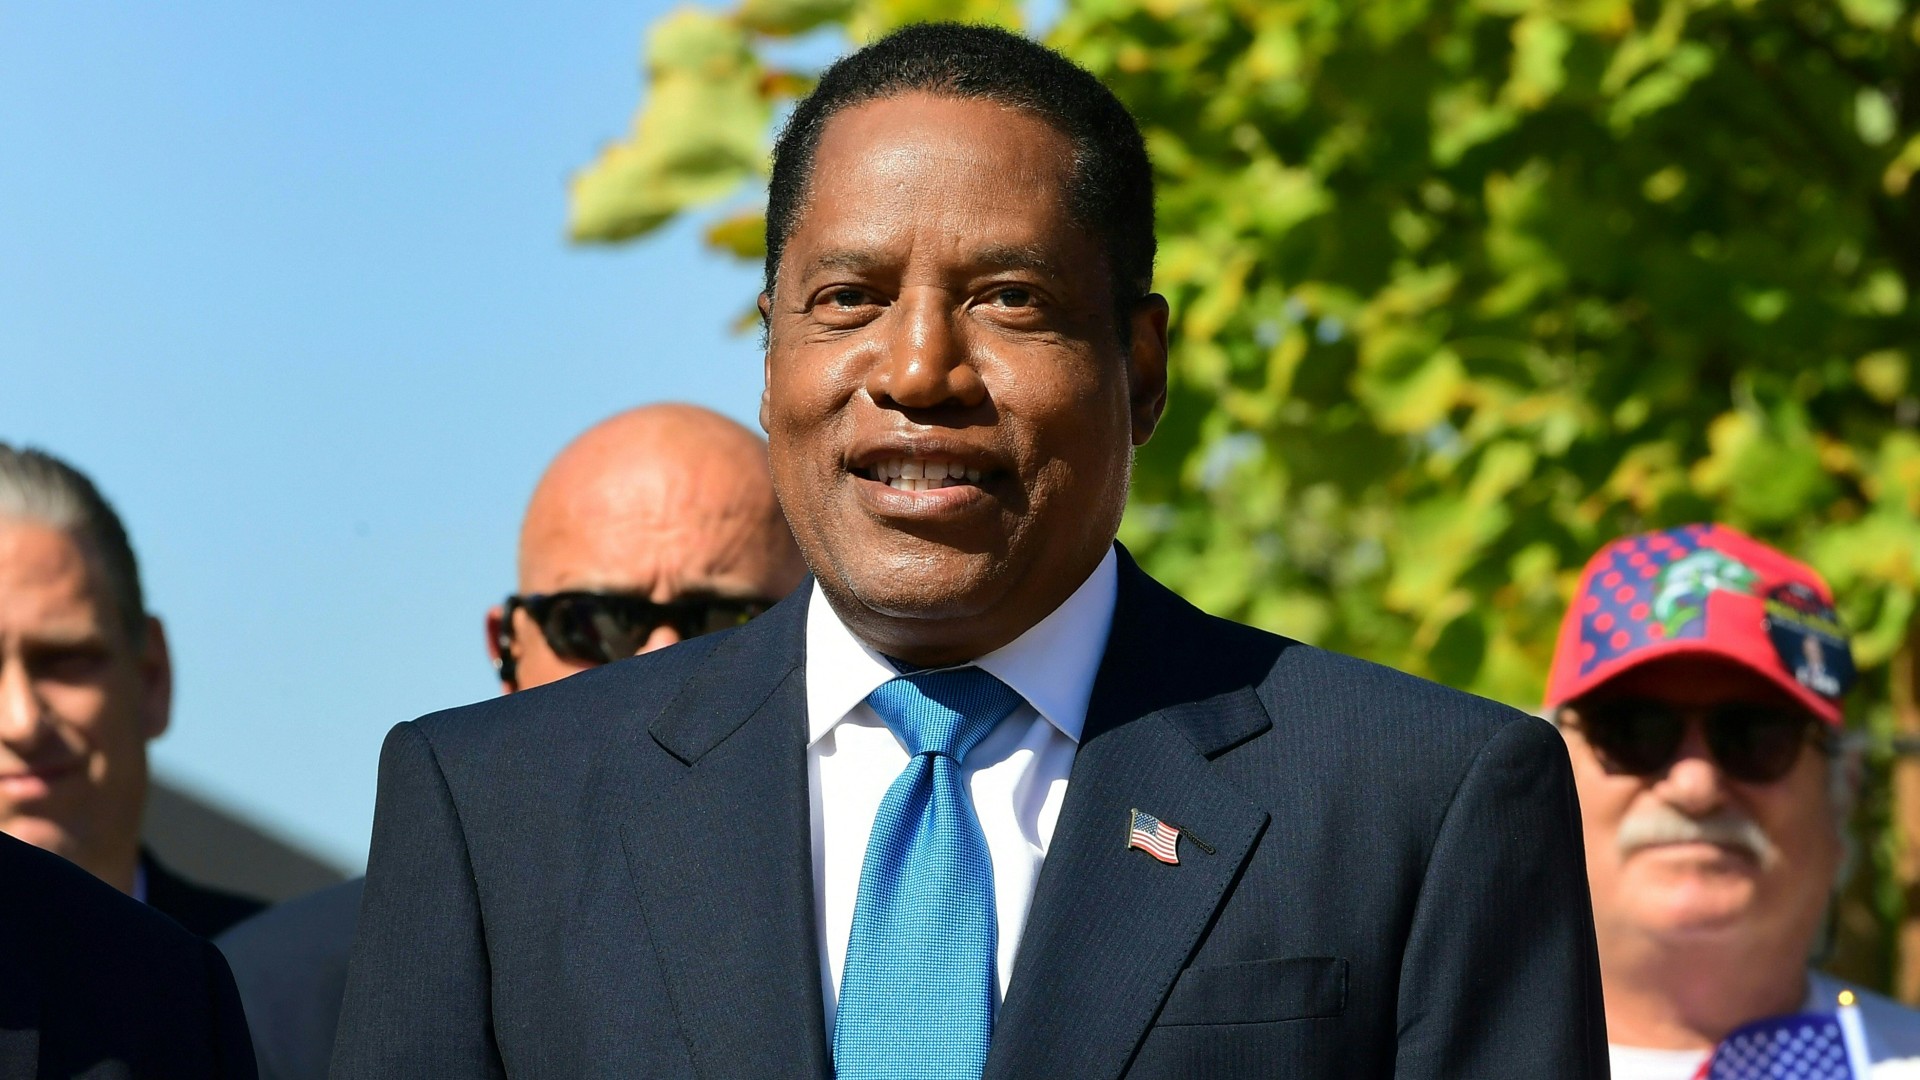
[(41, 833), (894, 599), (1697, 909), (921, 581)]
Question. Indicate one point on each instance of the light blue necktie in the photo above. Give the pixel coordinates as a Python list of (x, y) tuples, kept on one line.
[(916, 994)]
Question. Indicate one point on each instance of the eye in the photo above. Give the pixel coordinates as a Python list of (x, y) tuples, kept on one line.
[(848, 298), (1013, 296), (68, 663)]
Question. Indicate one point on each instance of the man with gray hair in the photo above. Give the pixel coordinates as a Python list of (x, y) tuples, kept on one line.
[(85, 684), (1698, 681)]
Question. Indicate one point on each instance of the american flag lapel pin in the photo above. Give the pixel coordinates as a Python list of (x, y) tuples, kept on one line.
[(1153, 836)]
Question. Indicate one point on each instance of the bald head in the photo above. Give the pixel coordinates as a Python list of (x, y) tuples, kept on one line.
[(667, 502)]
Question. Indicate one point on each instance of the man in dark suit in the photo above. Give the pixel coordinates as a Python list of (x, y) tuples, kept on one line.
[(667, 502), (878, 831), (95, 985), (85, 683)]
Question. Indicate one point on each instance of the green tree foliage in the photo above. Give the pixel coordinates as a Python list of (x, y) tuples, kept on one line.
[(1462, 290)]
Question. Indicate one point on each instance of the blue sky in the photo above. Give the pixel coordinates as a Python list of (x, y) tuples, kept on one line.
[(289, 280)]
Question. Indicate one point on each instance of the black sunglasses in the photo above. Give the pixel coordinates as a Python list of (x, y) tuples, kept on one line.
[(601, 627), (1752, 743)]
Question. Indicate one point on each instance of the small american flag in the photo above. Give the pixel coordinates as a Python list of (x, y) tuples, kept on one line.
[(1153, 836), (1804, 1046)]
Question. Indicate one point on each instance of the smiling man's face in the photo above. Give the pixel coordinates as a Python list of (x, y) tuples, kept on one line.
[(950, 404)]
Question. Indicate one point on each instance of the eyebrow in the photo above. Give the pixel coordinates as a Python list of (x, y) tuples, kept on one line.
[(1017, 257), (994, 257), (63, 637), (851, 260)]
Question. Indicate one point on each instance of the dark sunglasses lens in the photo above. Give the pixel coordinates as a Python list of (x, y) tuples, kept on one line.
[(596, 629), (1639, 738), (707, 616), (1756, 744)]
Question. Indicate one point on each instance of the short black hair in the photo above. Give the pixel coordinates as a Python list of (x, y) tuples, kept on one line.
[(1112, 193)]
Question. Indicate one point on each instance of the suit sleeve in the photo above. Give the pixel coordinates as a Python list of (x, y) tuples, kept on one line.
[(1500, 977), (417, 1001)]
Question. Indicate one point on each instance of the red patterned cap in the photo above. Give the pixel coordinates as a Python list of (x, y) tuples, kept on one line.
[(1703, 590)]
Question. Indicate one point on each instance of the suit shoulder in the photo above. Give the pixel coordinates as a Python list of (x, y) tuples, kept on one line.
[(1301, 686), (68, 916), (1394, 695), (580, 709), (1362, 711), (298, 932)]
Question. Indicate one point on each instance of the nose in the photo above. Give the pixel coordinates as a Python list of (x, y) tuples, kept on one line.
[(1693, 784), (22, 713), (927, 364)]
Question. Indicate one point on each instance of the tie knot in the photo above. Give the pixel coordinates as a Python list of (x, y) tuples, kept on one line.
[(943, 712)]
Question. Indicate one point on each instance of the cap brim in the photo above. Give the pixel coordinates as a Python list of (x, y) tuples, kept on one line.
[(1827, 709)]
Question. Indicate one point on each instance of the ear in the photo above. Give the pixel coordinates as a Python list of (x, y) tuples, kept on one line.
[(1147, 365), (156, 681), (500, 648), (765, 303)]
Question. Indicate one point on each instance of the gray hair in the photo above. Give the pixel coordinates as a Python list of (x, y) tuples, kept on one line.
[(38, 487)]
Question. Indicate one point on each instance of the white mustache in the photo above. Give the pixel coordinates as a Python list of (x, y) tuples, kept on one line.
[(1662, 824)]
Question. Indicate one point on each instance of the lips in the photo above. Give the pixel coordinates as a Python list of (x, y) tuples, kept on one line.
[(924, 464), (36, 781), (922, 474)]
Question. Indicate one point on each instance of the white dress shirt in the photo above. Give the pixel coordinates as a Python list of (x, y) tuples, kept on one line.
[(1016, 776)]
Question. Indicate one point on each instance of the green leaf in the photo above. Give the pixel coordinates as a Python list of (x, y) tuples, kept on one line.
[(1662, 87), (1540, 44), (702, 132), (744, 235), (788, 17), (1883, 374)]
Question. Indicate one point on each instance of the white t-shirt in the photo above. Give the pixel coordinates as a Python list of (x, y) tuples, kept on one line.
[(1893, 1039)]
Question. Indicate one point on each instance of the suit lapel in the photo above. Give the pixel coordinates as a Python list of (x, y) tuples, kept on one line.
[(722, 858), (1111, 928)]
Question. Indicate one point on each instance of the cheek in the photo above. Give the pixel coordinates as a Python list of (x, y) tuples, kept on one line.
[(807, 384), (807, 423), (82, 714), (1799, 817), (1605, 801), (541, 666), (1072, 420), (1600, 817)]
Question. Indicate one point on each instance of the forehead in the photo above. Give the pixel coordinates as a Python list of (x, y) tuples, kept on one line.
[(625, 531), (919, 169), (44, 574)]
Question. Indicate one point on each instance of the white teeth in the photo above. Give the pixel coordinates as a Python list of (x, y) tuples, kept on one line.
[(913, 474)]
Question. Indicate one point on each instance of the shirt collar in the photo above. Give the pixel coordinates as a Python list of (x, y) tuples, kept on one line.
[(1052, 665)]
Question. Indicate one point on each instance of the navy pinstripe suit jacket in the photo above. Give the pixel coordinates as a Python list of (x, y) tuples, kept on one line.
[(611, 876)]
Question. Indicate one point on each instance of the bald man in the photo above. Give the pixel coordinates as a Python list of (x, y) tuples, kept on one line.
[(653, 526)]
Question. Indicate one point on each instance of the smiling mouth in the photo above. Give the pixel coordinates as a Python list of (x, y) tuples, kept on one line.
[(921, 474), (41, 776)]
